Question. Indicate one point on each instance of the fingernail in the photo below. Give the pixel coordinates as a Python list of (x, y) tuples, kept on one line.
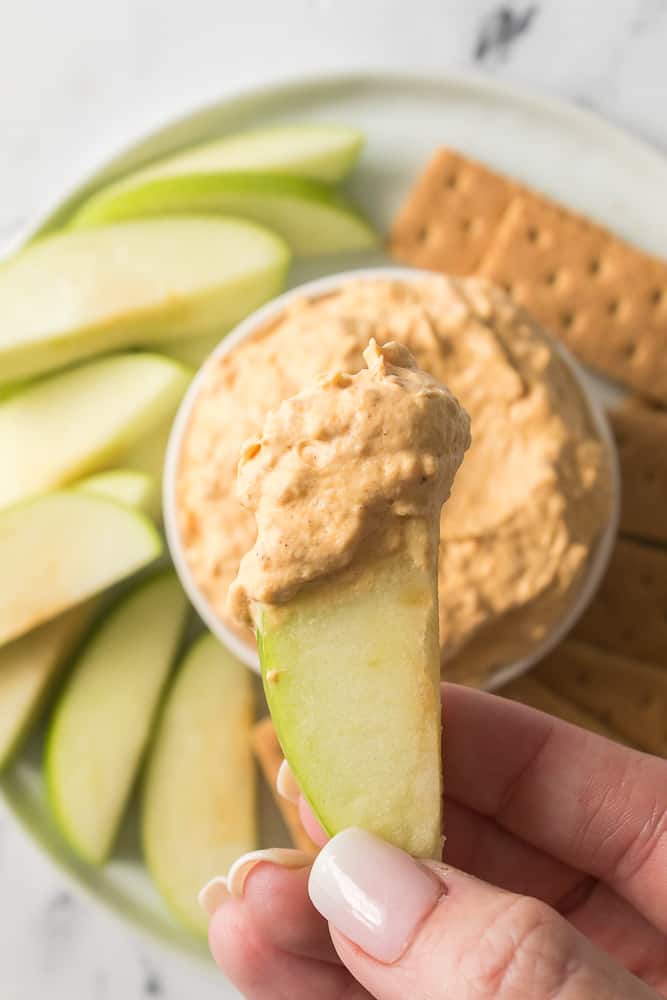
[(219, 889), (286, 784), (284, 857), (213, 895), (372, 892)]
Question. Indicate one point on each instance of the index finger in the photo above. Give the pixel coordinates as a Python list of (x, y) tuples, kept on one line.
[(593, 804)]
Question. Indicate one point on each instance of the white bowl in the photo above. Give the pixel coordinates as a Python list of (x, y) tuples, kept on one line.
[(246, 652)]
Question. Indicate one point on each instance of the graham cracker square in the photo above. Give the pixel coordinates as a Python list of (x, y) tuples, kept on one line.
[(641, 437), (530, 691), (605, 299), (631, 697), (628, 615), (451, 215)]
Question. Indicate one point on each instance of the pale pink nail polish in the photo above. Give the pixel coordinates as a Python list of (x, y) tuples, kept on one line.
[(372, 892)]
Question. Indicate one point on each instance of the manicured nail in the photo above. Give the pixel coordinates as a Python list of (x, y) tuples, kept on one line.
[(213, 895), (284, 857), (286, 784), (220, 889), (372, 892)]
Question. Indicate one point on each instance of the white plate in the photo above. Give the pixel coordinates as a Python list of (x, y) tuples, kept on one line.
[(565, 152)]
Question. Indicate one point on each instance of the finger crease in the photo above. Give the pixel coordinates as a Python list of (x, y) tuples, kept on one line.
[(642, 848), (577, 897), (514, 784)]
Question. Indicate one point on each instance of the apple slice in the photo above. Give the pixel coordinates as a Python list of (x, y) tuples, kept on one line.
[(102, 722), (192, 351), (29, 667), (10, 388), (351, 672), (57, 550), (325, 152), (148, 454), (127, 486), (83, 419), (198, 809), (75, 294), (309, 215)]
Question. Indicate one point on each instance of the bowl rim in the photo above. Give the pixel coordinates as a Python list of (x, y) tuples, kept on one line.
[(598, 559)]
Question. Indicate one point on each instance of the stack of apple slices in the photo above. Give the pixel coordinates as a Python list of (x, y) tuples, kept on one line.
[(278, 177), (102, 321)]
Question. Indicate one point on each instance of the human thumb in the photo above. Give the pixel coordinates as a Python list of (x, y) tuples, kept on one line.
[(429, 932)]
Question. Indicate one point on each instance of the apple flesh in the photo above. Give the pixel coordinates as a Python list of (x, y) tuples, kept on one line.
[(198, 806), (83, 419), (29, 667), (126, 486), (60, 549), (351, 672), (75, 294), (324, 152), (192, 351), (103, 719), (309, 215), (148, 454)]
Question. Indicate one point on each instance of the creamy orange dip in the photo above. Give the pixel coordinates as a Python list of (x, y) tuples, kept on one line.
[(529, 500), (339, 470)]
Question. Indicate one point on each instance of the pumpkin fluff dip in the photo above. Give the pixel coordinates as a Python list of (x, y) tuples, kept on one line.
[(529, 503)]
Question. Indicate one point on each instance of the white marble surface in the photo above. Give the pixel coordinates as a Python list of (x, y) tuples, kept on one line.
[(78, 79)]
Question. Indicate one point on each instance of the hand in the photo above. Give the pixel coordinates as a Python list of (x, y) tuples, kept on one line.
[(559, 839)]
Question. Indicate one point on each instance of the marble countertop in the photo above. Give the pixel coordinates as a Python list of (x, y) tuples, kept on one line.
[(77, 80)]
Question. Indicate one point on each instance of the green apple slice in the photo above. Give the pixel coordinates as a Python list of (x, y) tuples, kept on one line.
[(198, 808), (57, 550), (64, 426), (148, 454), (76, 294), (29, 667), (351, 672), (127, 486), (325, 152), (192, 351), (102, 722), (309, 215), (10, 388)]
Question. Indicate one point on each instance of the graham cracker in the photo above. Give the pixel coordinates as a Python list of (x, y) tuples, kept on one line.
[(269, 755), (450, 215), (530, 691), (641, 437), (605, 299), (628, 615), (629, 696)]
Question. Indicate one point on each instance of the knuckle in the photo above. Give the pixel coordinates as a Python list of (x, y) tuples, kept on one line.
[(526, 950)]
